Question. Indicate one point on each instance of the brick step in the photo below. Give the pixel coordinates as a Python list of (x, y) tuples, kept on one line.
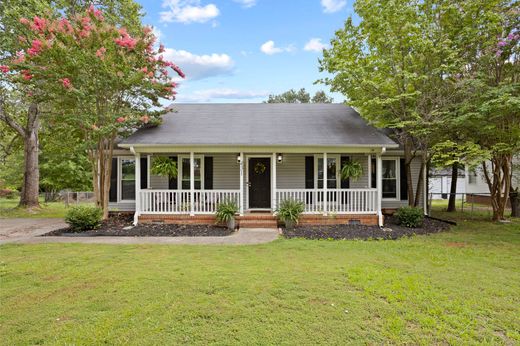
[(258, 224), (257, 217)]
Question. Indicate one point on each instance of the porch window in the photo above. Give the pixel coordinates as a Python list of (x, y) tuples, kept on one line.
[(127, 179), (185, 173), (332, 179), (390, 178)]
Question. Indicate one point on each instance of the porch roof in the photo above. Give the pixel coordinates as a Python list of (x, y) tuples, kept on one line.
[(261, 124)]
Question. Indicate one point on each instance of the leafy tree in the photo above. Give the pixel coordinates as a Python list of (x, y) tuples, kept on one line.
[(300, 96), (103, 82)]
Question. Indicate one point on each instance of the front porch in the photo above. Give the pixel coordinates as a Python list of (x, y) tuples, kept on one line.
[(258, 182)]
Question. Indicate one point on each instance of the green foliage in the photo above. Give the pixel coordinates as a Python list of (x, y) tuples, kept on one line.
[(84, 217), (412, 217), (290, 210), (352, 170), (226, 211), (164, 166), (300, 96)]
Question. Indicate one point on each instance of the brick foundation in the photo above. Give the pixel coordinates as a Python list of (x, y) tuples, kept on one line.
[(261, 220)]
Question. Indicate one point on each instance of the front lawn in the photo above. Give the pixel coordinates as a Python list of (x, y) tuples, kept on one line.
[(456, 287), (9, 209)]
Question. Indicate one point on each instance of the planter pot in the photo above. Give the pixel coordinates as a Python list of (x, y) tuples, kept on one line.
[(231, 224), (289, 224)]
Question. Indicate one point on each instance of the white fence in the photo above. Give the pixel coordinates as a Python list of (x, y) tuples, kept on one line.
[(179, 202), (341, 201)]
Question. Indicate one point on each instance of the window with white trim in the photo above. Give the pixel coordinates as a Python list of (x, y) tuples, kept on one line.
[(331, 172), (390, 181), (127, 174), (185, 172)]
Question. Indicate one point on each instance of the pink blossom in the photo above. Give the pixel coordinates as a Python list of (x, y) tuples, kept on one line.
[(97, 13), (22, 39), (147, 30), (120, 120), (100, 53), (4, 68), (144, 70), (161, 48), (66, 83), (498, 53), (35, 48), (174, 85), (149, 48), (502, 43), (26, 75), (125, 40), (510, 36), (64, 26), (145, 119), (150, 74), (20, 57), (24, 21), (178, 70), (38, 24)]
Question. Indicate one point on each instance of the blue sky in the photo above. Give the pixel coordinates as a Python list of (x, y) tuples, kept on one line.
[(243, 50)]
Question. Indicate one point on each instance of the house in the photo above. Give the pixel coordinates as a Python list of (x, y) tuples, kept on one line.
[(439, 183), (258, 155)]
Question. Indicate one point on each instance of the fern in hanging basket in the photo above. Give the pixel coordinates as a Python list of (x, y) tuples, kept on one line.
[(164, 166), (352, 170)]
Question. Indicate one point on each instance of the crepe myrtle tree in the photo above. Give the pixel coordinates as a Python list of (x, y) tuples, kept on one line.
[(103, 82)]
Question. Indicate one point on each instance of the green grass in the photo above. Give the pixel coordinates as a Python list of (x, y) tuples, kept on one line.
[(9, 209), (458, 287)]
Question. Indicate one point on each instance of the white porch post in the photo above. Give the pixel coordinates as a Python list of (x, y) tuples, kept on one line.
[(369, 169), (379, 185), (137, 157), (192, 183), (273, 188), (325, 194), (241, 194)]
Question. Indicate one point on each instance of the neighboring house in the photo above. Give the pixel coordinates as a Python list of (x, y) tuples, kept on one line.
[(439, 183), (259, 155)]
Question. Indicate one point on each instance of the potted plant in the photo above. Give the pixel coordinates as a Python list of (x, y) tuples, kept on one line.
[(351, 169), (289, 212), (226, 213), (164, 166)]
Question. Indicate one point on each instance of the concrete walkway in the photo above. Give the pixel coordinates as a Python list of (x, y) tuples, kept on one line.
[(28, 231)]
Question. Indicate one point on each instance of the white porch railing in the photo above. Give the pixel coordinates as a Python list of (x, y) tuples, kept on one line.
[(340, 201), (179, 201)]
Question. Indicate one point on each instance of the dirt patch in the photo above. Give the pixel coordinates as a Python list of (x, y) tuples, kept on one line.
[(391, 230), (121, 225)]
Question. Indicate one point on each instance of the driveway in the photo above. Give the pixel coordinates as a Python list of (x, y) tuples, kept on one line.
[(28, 231), (19, 229)]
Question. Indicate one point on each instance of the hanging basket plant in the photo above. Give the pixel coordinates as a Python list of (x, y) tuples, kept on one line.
[(164, 166), (351, 170)]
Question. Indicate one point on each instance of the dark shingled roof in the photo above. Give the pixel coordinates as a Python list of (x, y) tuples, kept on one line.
[(261, 124)]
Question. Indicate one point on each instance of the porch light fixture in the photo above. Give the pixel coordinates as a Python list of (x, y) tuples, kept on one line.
[(279, 158), (239, 158)]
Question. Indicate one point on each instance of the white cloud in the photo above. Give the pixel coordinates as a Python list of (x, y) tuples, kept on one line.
[(209, 95), (200, 66), (331, 6), (188, 11), (246, 3), (315, 45), (269, 48)]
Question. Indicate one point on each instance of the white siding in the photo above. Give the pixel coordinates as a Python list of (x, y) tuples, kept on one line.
[(290, 174), (226, 172), (362, 182)]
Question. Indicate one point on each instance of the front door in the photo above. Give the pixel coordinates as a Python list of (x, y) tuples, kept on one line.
[(259, 182)]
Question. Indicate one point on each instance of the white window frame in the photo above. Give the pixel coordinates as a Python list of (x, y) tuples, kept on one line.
[(119, 179), (338, 163), (179, 170), (397, 177)]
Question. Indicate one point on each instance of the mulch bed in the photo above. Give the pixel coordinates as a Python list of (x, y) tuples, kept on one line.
[(115, 225), (391, 230)]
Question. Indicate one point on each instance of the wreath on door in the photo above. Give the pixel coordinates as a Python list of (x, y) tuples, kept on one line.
[(259, 168)]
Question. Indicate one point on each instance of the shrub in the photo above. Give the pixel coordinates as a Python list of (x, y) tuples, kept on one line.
[(410, 216), (226, 211), (84, 218), (290, 210)]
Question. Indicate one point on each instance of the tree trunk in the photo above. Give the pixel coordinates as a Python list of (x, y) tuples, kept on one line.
[(408, 157), (453, 188), (499, 183), (101, 163), (419, 189)]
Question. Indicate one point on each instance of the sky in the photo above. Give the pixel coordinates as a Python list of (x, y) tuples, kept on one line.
[(244, 50)]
